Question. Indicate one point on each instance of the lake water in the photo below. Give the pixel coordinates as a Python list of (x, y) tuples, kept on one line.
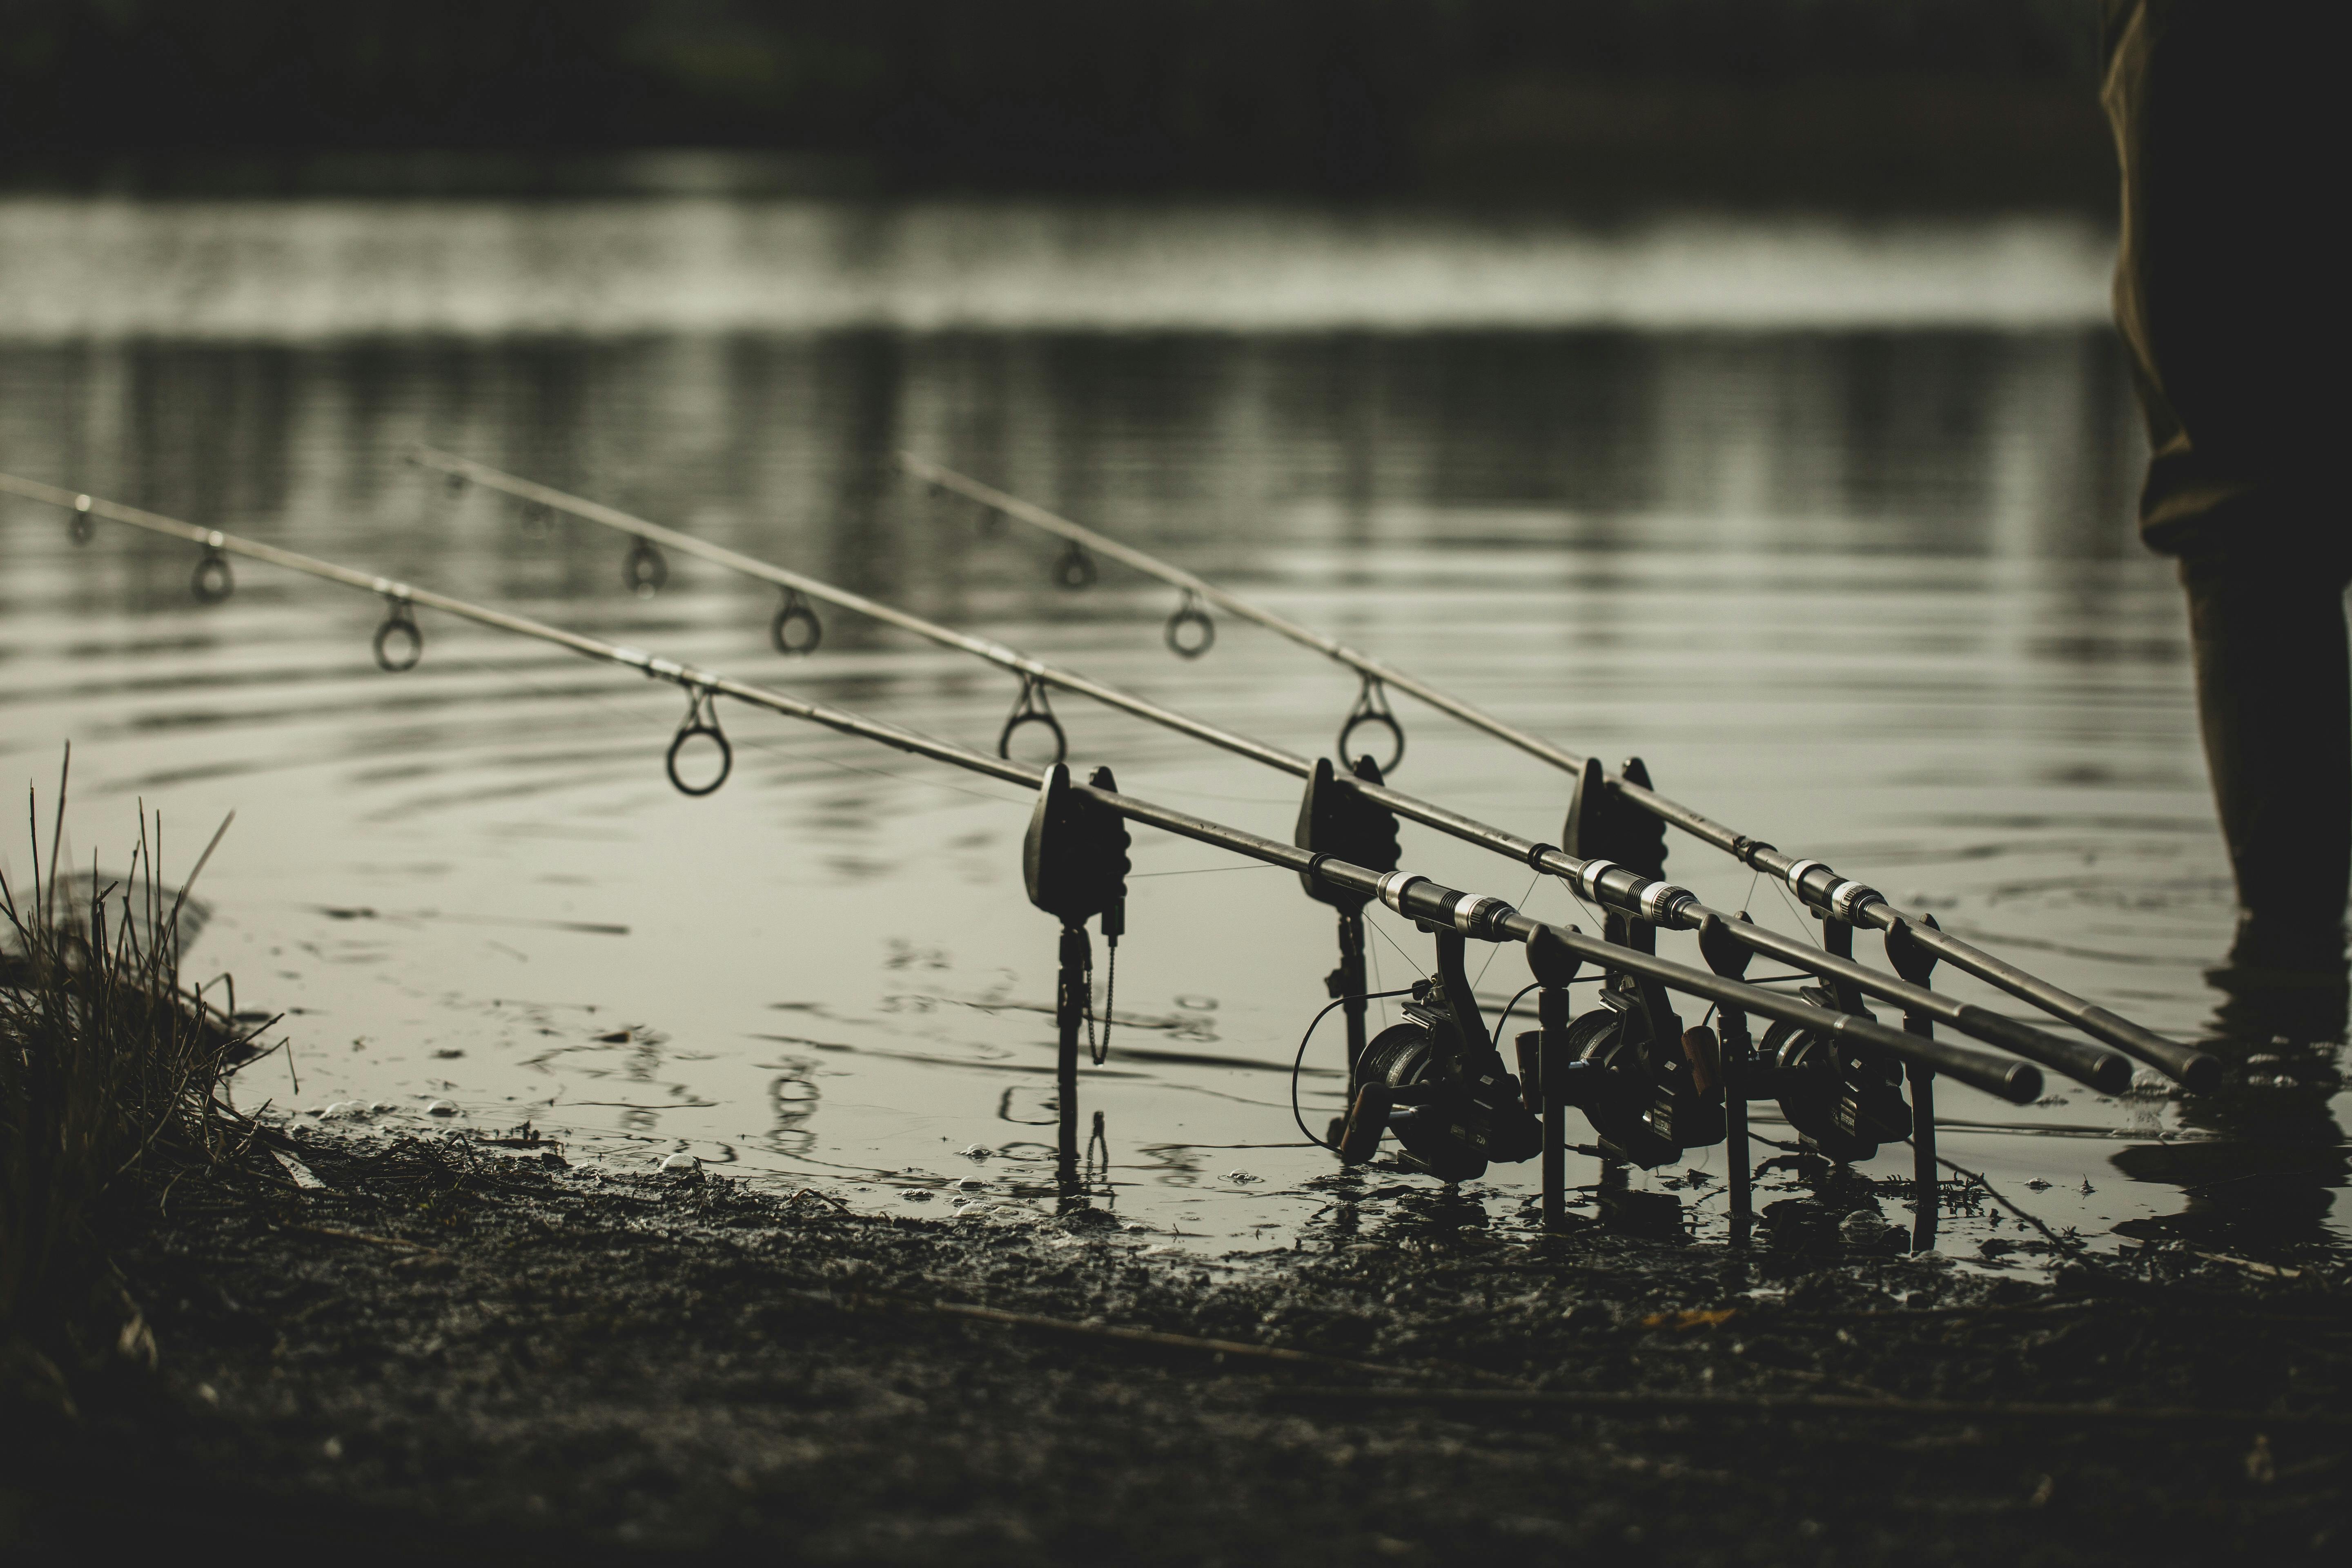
[(1827, 521)]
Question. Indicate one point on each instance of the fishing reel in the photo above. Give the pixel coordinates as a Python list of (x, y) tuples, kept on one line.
[(1844, 1102), (1437, 1082), (1649, 1088)]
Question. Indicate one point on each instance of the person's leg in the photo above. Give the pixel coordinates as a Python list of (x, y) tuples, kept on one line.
[(2274, 701)]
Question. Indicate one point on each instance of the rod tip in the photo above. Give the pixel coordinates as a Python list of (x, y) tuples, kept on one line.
[(2200, 1070), (2113, 1075), (2022, 1085)]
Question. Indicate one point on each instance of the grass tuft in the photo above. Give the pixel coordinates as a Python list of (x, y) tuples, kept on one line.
[(112, 1077)]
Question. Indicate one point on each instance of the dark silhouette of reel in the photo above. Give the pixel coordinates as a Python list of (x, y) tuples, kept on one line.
[(1847, 1105)]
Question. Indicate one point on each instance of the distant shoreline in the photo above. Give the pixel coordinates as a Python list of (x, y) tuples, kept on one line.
[(100, 269)]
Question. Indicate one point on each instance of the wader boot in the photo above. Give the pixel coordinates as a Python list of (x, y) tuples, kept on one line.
[(2274, 702)]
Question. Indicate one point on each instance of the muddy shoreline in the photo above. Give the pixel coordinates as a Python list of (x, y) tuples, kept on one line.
[(485, 1354)]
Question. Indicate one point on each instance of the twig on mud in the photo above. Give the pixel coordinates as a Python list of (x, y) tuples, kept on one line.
[(342, 1234), (1621, 1402), (1154, 1337)]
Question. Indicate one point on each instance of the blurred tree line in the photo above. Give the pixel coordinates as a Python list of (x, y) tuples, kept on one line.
[(1929, 100)]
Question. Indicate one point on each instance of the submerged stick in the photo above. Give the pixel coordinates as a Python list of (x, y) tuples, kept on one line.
[(1631, 1402)]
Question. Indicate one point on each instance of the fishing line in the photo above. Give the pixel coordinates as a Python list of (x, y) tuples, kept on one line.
[(1814, 880), (1373, 927), (1648, 898), (1513, 1003), (1299, 1061), (1494, 952), (1806, 927), (1201, 871)]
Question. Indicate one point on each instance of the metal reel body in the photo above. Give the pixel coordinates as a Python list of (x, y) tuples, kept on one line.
[(1845, 1103), (1452, 1114), (1638, 1089)]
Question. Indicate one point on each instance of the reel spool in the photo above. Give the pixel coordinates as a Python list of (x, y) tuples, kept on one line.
[(1846, 1104), (1647, 1092), (1439, 1088)]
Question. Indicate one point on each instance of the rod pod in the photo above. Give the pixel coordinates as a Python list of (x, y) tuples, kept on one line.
[(1621, 887), (1814, 883)]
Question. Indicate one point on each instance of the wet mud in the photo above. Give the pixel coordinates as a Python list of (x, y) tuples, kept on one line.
[(471, 1349)]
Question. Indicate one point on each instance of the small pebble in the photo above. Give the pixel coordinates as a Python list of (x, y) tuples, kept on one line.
[(1241, 1178), (977, 1151), (973, 1184), (917, 1196), (440, 1107), (680, 1162)]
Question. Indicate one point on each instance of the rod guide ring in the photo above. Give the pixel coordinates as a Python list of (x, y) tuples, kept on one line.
[(1372, 708), (1075, 569), (701, 719), (1190, 633), (399, 622), (796, 629), (212, 581), (1033, 708), (645, 571)]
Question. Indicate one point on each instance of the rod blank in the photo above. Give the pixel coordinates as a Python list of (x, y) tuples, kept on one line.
[(2190, 1066), (2014, 1081)]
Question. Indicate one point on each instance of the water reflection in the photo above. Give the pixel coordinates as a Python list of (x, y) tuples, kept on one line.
[(1870, 588)]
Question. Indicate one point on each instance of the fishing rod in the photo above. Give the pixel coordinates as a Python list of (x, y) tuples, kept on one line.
[(1439, 1085), (1829, 894), (1640, 898)]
